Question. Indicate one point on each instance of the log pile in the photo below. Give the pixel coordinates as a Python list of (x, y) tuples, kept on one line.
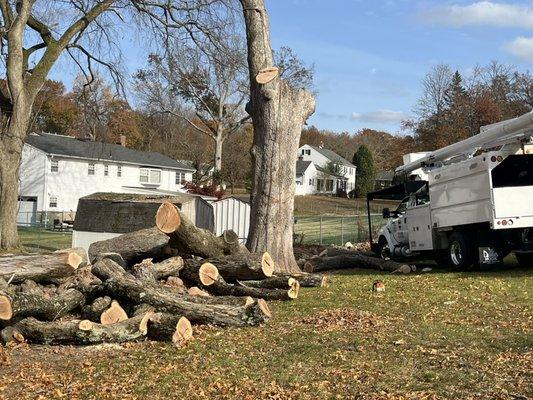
[(153, 283)]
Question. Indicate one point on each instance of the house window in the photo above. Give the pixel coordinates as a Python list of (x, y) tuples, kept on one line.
[(329, 185), (90, 170), (319, 184), (180, 178), (106, 170), (55, 166), (53, 201), (151, 176), (308, 152), (311, 182), (119, 170)]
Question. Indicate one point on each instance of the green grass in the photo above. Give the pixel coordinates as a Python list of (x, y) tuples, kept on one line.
[(334, 230), (429, 335), (40, 239)]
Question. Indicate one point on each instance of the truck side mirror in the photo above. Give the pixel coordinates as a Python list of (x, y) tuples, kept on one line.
[(386, 213)]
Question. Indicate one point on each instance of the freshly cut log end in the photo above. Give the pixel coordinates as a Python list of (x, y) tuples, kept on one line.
[(175, 281), (143, 325), (248, 301), (267, 264), (6, 310), (183, 332), (263, 306), (113, 314), (85, 325), (295, 288), (196, 291), (208, 274), (10, 335), (74, 260), (167, 218)]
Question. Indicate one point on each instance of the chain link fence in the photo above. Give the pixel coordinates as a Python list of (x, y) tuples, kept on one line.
[(335, 230), (44, 232)]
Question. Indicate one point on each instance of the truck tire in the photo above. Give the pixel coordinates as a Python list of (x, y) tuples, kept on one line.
[(382, 249), (524, 259), (460, 251)]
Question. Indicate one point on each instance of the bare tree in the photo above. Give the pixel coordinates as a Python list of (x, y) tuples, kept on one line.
[(34, 36), (278, 112), (434, 88), (209, 78), (292, 69)]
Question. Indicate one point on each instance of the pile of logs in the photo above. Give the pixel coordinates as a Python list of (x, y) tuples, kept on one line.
[(153, 283)]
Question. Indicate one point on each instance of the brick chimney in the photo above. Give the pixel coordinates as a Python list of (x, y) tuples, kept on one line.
[(122, 140)]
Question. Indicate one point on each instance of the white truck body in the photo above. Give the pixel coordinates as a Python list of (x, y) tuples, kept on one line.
[(478, 187)]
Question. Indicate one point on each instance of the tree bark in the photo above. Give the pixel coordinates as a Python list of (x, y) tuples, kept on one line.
[(219, 141), (186, 238), (39, 267), (164, 299), (237, 267), (153, 272), (134, 247), (80, 332), (278, 113), (355, 260), (93, 311)]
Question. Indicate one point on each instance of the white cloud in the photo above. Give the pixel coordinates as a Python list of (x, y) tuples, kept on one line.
[(521, 47), (380, 116), (482, 13)]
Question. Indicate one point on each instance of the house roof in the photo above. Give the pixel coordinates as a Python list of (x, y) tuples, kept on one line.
[(301, 166), (332, 156), (78, 148), (325, 171), (385, 176)]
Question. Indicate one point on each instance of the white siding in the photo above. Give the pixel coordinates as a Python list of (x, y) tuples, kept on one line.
[(232, 213), (32, 175), (305, 187)]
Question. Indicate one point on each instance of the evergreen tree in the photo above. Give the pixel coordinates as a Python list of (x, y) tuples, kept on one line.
[(365, 174)]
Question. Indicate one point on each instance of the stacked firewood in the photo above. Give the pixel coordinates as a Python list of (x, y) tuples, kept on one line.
[(153, 283)]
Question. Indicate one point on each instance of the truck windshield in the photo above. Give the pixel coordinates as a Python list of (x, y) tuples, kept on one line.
[(403, 206), (515, 170)]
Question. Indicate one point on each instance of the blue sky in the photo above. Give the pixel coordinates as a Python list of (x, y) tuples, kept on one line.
[(370, 56)]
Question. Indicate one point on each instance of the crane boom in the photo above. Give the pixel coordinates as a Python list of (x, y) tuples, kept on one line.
[(489, 135)]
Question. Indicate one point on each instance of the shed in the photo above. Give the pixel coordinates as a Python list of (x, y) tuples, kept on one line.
[(102, 216), (232, 213)]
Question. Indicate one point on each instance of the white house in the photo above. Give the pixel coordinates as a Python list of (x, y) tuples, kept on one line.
[(57, 170), (322, 171)]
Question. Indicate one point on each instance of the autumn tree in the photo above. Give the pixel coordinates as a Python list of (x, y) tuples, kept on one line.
[(365, 177), (278, 112), (35, 34), (237, 162)]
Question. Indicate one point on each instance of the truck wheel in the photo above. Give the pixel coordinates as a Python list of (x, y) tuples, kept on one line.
[(524, 259), (382, 249), (460, 251)]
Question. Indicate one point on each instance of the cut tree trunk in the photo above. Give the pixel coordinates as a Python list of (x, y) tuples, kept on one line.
[(190, 240), (354, 260), (164, 299), (210, 280), (307, 279), (41, 267), (94, 310), (134, 247), (166, 327), (35, 304), (278, 112), (81, 332), (153, 272), (237, 267), (84, 281)]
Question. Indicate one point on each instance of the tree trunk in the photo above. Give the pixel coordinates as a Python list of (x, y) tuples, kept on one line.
[(41, 268), (218, 152), (356, 260), (153, 272), (278, 113)]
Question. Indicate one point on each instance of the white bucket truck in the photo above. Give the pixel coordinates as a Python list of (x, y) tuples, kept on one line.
[(470, 202)]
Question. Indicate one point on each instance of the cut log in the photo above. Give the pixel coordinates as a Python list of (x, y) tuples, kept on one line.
[(308, 280), (113, 256), (164, 299), (354, 260), (166, 327), (188, 239), (115, 313), (210, 280), (235, 267), (84, 281), (80, 332), (40, 267), (94, 310), (18, 304), (196, 291), (9, 334), (149, 271), (134, 247)]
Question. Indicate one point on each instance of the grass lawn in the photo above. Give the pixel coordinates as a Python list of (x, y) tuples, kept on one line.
[(429, 335), (35, 239)]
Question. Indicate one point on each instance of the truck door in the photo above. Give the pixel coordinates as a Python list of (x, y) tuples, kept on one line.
[(399, 224)]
